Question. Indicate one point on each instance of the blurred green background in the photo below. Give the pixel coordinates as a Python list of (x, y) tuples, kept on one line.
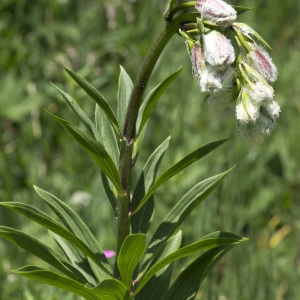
[(259, 199)]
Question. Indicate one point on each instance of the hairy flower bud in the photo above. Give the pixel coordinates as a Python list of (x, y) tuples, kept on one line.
[(218, 50), (260, 60), (198, 60), (272, 109), (256, 86), (246, 110), (216, 11)]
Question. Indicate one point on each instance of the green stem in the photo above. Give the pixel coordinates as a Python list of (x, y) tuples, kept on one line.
[(129, 131), (181, 7), (158, 46)]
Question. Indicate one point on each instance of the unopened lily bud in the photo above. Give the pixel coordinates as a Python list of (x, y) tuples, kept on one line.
[(260, 60), (272, 109), (218, 50), (246, 110), (216, 11), (214, 79), (256, 86), (198, 60)]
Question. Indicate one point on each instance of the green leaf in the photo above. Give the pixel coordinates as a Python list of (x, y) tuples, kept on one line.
[(213, 240), (98, 98), (140, 222), (247, 31), (180, 212), (179, 166), (109, 289), (130, 254), (241, 9), (124, 91), (95, 150), (110, 192), (151, 100), (77, 259), (40, 250), (73, 222), (89, 125), (158, 285), (110, 144), (107, 134), (169, 7), (41, 218), (138, 143), (188, 282), (112, 289)]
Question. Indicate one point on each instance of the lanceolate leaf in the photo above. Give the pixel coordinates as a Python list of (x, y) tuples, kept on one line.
[(140, 222), (73, 222), (98, 98), (130, 254), (205, 243), (124, 91), (38, 216), (152, 99), (110, 143), (42, 251), (180, 212), (158, 285), (107, 290), (109, 190), (108, 137), (248, 31), (96, 151), (112, 289), (89, 125), (188, 282), (77, 259), (241, 9), (182, 164)]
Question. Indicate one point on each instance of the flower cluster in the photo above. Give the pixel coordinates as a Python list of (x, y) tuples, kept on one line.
[(237, 71)]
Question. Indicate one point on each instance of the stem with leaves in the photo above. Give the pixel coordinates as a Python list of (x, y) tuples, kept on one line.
[(129, 131)]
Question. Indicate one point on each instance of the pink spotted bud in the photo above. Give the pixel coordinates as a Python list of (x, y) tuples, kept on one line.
[(198, 60), (218, 50), (216, 11), (260, 60)]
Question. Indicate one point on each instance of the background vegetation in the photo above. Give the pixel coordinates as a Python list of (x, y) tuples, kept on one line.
[(259, 199)]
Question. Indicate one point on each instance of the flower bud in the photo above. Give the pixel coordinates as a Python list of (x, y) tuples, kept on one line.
[(214, 79), (198, 60), (216, 11), (255, 84), (246, 110), (271, 109), (218, 50), (260, 60)]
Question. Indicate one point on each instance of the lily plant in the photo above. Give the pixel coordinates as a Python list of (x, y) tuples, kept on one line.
[(232, 66)]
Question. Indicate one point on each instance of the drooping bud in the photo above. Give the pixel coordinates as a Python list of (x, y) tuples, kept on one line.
[(228, 92), (246, 110), (214, 79), (255, 84), (216, 11), (272, 109), (218, 50), (198, 60), (260, 60)]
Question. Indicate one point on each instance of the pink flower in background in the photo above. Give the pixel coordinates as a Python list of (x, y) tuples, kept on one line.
[(109, 253)]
